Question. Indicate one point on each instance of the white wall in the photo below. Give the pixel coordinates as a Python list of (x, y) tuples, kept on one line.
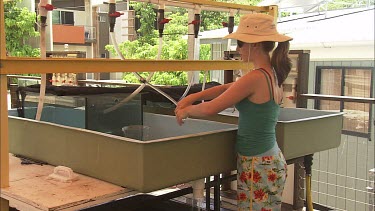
[(331, 52), (80, 18)]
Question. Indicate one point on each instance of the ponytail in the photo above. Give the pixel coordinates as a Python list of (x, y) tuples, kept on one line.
[(281, 61)]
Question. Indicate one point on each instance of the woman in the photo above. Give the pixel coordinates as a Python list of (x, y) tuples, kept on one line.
[(261, 167)]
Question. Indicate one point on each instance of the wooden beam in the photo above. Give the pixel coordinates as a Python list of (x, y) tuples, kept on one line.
[(209, 5), (4, 145), (28, 65)]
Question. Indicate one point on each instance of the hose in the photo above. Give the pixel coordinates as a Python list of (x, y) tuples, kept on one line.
[(144, 81), (190, 83), (137, 91), (140, 78), (43, 84), (42, 91)]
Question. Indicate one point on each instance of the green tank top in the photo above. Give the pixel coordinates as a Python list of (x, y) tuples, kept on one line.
[(256, 125)]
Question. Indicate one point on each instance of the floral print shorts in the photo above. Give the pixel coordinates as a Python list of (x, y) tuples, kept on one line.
[(260, 182)]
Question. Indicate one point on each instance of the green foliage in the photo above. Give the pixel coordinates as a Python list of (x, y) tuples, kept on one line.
[(146, 32), (344, 4), (177, 27), (19, 27), (213, 20)]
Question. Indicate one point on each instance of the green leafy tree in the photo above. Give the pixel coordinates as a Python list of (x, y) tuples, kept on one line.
[(19, 27), (344, 4), (146, 32)]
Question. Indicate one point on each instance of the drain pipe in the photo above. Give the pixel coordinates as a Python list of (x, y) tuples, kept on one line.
[(198, 193), (43, 8), (308, 163)]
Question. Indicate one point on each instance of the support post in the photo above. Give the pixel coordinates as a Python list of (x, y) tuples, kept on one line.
[(4, 156), (273, 11), (4, 205)]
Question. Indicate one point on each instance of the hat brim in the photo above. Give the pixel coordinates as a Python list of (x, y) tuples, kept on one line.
[(250, 38)]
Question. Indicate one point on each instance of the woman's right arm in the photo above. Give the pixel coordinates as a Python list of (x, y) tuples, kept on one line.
[(207, 94)]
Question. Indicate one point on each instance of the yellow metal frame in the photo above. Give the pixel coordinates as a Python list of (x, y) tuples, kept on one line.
[(26, 65), (55, 65)]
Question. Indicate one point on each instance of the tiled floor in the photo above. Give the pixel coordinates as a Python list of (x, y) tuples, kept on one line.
[(228, 202)]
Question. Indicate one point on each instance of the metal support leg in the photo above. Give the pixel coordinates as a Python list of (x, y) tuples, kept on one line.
[(308, 164), (217, 193), (208, 193)]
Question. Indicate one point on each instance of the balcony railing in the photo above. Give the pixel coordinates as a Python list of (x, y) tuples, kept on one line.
[(343, 178), (90, 34)]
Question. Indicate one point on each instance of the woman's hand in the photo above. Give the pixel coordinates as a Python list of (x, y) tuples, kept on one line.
[(187, 101), (182, 114)]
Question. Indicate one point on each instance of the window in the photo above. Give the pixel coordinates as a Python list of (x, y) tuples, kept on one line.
[(62, 17), (351, 82)]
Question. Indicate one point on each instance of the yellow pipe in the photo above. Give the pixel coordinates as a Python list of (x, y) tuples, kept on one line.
[(29, 65), (308, 193), (4, 156)]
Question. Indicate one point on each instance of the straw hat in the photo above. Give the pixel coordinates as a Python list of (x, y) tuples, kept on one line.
[(257, 27)]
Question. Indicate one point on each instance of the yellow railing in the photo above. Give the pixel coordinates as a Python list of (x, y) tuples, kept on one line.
[(56, 65)]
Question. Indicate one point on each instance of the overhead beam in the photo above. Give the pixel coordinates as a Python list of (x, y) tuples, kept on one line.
[(210, 5), (28, 65)]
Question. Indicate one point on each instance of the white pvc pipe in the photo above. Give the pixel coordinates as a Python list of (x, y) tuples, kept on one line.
[(160, 47), (43, 82), (191, 78), (190, 83), (198, 188), (198, 193)]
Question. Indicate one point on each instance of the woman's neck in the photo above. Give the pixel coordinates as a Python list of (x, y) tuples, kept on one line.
[(265, 65), (262, 61)]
